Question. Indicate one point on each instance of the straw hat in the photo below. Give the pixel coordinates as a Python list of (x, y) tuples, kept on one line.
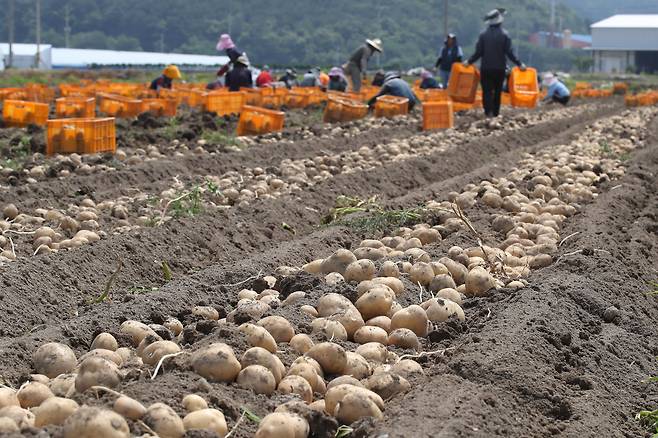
[(375, 44)]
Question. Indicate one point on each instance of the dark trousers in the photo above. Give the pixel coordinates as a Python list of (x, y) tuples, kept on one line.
[(561, 99), (492, 85)]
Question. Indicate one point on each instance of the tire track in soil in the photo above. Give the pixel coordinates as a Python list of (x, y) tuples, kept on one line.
[(547, 359), (47, 296)]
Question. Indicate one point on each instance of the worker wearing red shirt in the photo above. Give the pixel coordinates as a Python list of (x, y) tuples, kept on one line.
[(264, 79)]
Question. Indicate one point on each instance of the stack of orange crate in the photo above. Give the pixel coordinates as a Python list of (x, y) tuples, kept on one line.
[(74, 106), (259, 121), (82, 136), (224, 103), (391, 106), (438, 115), (343, 110), (119, 106)]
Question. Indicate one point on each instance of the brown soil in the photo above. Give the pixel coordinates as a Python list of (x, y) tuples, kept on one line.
[(540, 361)]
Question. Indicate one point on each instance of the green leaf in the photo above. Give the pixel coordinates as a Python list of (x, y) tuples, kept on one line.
[(251, 416), (166, 271), (343, 431)]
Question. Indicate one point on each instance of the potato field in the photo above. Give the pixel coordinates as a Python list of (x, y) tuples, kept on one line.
[(354, 279)]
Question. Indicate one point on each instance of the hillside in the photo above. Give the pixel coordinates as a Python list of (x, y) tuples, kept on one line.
[(286, 32), (595, 10)]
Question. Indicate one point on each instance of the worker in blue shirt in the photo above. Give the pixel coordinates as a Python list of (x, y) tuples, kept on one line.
[(450, 53), (395, 86), (556, 90)]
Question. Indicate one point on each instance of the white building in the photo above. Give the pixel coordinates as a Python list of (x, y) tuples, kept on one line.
[(625, 43), (25, 55), (88, 58), (2, 60)]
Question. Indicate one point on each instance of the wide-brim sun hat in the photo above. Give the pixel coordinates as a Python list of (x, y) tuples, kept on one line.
[(549, 79), (495, 16), (172, 72), (243, 59), (375, 44), (225, 42)]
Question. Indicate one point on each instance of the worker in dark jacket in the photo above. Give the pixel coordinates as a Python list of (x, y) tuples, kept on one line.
[(450, 53), (166, 80), (240, 75), (337, 80), (289, 79), (494, 46), (378, 78), (357, 66), (428, 81), (227, 45), (395, 86)]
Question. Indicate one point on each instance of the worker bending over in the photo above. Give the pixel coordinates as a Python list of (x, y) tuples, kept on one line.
[(169, 74), (240, 75), (494, 45), (227, 45), (357, 66), (337, 80), (557, 91), (395, 86)]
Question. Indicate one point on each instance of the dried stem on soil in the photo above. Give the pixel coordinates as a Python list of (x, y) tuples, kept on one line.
[(162, 359), (429, 353), (236, 424)]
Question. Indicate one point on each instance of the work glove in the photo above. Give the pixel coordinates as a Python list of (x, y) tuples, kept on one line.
[(523, 67)]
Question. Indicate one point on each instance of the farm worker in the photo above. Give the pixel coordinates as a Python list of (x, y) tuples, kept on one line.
[(264, 79), (557, 91), (240, 75), (395, 86), (357, 66), (324, 79), (170, 73), (289, 78), (227, 45), (337, 80), (311, 78), (378, 79), (450, 53), (428, 81), (493, 46)]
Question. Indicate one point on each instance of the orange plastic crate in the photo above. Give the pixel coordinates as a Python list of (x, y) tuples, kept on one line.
[(298, 99), (463, 83), (160, 107), (82, 136), (583, 85), (80, 107), (194, 98), (119, 106), (391, 106), (505, 98), (438, 115), (22, 113), (523, 87), (343, 110), (224, 103), (253, 96), (461, 106), (6, 93), (259, 121), (432, 95)]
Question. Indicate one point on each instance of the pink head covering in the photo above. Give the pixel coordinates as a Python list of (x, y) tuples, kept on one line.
[(225, 42), (425, 74)]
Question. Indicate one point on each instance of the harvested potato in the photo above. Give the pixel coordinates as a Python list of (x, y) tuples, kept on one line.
[(260, 356), (351, 319), (314, 267), (308, 372), (279, 327), (479, 282), (332, 303), (383, 322), (258, 336), (407, 368), (404, 338), (129, 408), (329, 328), (39, 378), (301, 343), (293, 298), (317, 406), (387, 384), (63, 385), (96, 371), (373, 352), (442, 281), (307, 360), (450, 294), (439, 310), (8, 426), (282, 425), (376, 302), (362, 406), (193, 402), (164, 421), (257, 378), (88, 422), (33, 394), (216, 362), (294, 384), (337, 262), (206, 312), (53, 359), (334, 278), (330, 356), (8, 397), (370, 334), (309, 310), (395, 307), (389, 269), (173, 325), (458, 271), (360, 270), (152, 354), (357, 366), (421, 273), (110, 355), (104, 341), (344, 380), (136, 330), (413, 318), (54, 410), (23, 418), (206, 419)]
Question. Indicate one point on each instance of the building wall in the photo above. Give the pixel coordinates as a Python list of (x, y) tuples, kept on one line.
[(613, 61), (624, 39)]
